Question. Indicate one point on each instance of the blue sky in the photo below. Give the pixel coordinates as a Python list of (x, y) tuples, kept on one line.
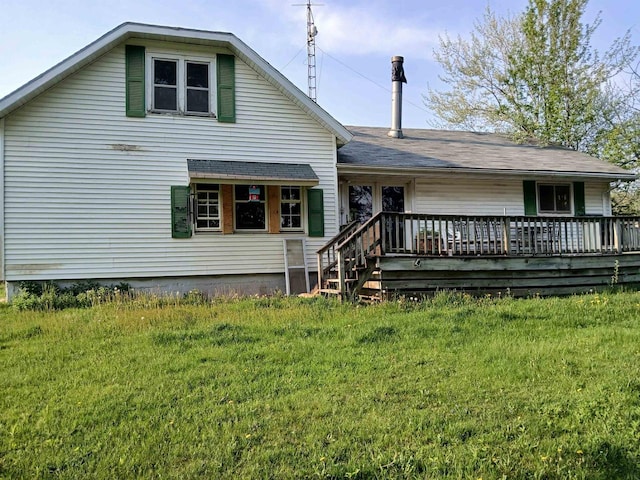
[(356, 40)]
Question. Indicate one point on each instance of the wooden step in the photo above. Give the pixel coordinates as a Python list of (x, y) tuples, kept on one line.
[(369, 298), (337, 280), (329, 291)]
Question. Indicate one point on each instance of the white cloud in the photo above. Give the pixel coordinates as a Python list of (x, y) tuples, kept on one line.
[(354, 32), (360, 29)]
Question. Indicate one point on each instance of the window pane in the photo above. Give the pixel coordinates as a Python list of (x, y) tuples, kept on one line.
[(296, 222), (563, 204), (165, 98), (286, 222), (242, 192), (197, 101), (393, 199), (360, 202), (290, 193), (546, 196), (294, 208), (197, 75), (250, 216), (165, 72)]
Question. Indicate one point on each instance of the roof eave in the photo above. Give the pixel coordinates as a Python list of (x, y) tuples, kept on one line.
[(391, 170), (242, 179), (128, 30)]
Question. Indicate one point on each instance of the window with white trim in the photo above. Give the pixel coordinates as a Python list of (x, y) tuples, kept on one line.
[(207, 199), (181, 85), (197, 86), (250, 207), (290, 208), (165, 85), (554, 198)]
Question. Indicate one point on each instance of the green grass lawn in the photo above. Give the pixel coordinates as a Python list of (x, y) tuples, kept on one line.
[(454, 387)]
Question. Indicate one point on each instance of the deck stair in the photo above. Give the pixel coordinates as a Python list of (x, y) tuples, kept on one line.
[(346, 263)]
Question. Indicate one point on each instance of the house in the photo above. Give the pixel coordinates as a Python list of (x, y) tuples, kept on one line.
[(174, 159), (168, 158)]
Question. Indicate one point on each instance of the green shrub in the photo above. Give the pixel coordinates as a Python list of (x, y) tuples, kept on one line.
[(48, 296)]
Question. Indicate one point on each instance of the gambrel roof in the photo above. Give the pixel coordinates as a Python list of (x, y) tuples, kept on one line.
[(420, 151), (130, 30)]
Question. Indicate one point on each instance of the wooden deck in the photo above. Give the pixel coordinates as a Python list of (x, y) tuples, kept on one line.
[(402, 253)]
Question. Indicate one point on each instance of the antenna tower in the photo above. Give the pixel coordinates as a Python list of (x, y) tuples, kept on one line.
[(312, 31)]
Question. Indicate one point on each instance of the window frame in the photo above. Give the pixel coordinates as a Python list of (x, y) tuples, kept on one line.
[(181, 79), (187, 62), (299, 201), (555, 211), (265, 205), (176, 87), (196, 189)]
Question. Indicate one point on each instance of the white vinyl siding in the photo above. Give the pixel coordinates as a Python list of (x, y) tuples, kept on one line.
[(458, 195), (88, 189)]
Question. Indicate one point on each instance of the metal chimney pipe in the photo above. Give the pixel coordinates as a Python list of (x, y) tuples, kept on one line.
[(397, 79)]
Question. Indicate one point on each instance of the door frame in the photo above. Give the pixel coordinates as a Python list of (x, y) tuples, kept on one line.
[(376, 195)]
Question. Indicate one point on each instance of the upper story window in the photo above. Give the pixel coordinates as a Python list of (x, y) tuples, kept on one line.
[(201, 83), (198, 98), (165, 85), (181, 85), (554, 198)]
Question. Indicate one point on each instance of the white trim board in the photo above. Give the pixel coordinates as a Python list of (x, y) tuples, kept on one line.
[(2, 276)]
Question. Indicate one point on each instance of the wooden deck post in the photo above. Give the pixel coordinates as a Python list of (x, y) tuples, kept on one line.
[(342, 284), (320, 272), (617, 236), (506, 235)]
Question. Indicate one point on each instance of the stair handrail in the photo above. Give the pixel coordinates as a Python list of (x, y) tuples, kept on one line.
[(326, 267), (352, 252)]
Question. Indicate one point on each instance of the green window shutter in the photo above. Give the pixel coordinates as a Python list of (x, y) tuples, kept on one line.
[(530, 205), (578, 199), (226, 78), (180, 220), (134, 71), (315, 211)]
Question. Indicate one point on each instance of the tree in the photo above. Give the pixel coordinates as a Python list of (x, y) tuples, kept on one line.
[(534, 76), (618, 139)]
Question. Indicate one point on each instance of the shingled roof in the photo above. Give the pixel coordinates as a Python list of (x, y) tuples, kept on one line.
[(456, 151), (297, 173)]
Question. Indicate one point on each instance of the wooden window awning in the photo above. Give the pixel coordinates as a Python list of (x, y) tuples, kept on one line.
[(265, 173)]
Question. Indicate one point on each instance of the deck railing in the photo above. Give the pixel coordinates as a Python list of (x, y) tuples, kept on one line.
[(509, 235), (327, 255), (455, 235)]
